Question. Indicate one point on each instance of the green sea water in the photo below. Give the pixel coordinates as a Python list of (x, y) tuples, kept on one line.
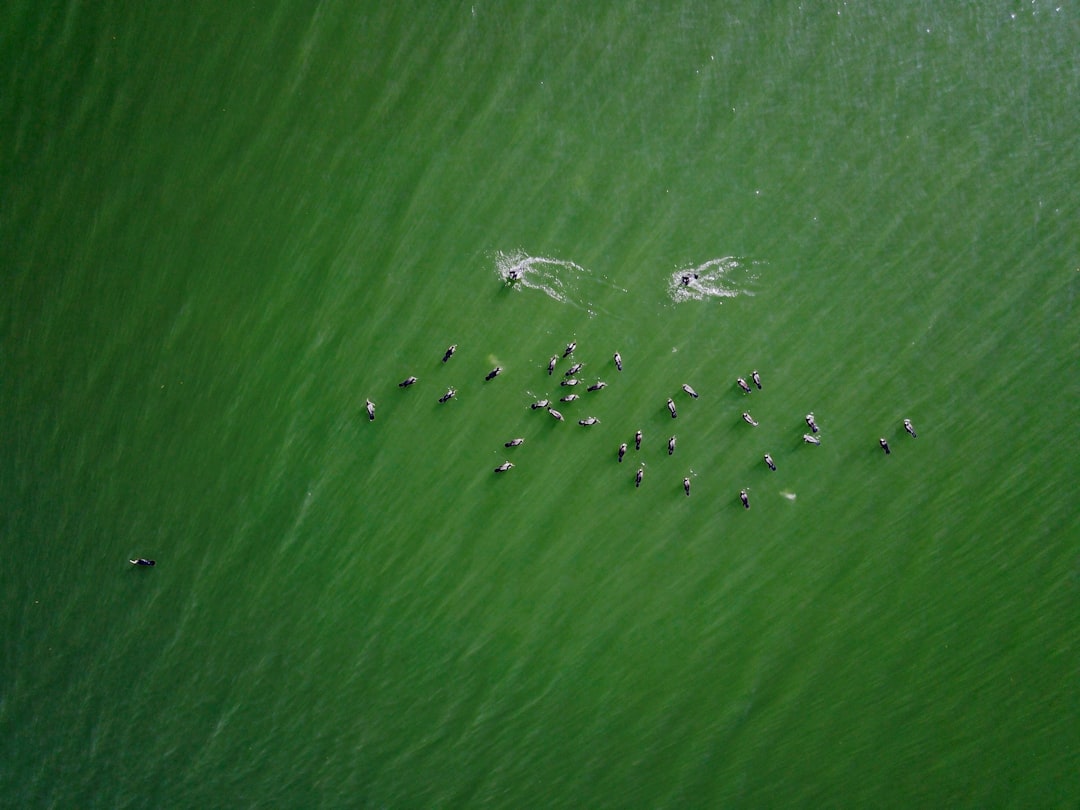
[(225, 227)]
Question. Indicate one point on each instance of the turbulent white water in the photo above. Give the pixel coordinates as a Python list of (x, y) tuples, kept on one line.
[(716, 278), (561, 279)]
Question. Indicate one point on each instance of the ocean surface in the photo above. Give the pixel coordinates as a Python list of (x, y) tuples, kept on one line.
[(225, 227)]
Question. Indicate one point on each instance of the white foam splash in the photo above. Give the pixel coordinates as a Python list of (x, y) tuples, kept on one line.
[(561, 279), (716, 278)]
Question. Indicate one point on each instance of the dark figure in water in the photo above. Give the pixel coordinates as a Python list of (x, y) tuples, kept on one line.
[(639, 476), (756, 378), (543, 403), (512, 276), (143, 561), (506, 465), (769, 461), (671, 445), (744, 498), (407, 382), (555, 414), (570, 382), (743, 385), (551, 363), (598, 385), (450, 394), (515, 442), (588, 421), (749, 419), (618, 361), (671, 407), (690, 391), (810, 421), (495, 372), (574, 369), (449, 353), (686, 486), (687, 278), (370, 411), (810, 438), (569, 398), (884, 445), (622, 451), (910, 428), (570, 348), (637, 440)]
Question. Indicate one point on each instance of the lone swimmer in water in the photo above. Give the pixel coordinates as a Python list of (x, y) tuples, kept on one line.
[(506, 465), (143, 561), (637, 440), (570, 348), (884, 445), (541, 403), (407, 382), (597, 386), (515, 443), (370, 411), (686, 278), (671, 445), (686, 486), (622, 451), (743, 385), (749, 419), (450, 394), (690, 391), (671, 407), (637, 478), (551, 363), (769, 461), (810, 421), (574, 369), (809, 438), (910, 428), (744, 498), (512, 276), (618, 361), (449, 353), (756, 378), (495, 372)]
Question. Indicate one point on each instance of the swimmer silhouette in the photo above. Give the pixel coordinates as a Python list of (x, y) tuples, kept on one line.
[(143, 561), (449, 353)]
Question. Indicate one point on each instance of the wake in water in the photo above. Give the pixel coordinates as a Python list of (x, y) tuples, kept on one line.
[(565, 281), (717, 278)]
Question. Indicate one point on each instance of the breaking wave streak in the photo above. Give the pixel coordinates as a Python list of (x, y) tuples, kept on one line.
[(560, 279), (716, 278)]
